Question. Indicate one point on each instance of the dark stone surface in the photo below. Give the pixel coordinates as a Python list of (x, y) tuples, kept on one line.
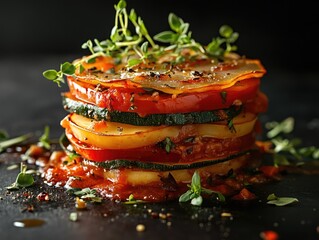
[(28, 102)]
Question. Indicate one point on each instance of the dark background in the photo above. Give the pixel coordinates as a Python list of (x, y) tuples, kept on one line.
[(281, 33)]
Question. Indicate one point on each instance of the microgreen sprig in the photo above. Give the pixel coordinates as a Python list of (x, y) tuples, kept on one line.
[(222, 45), (179, 37), (194, 194), (57, 77), (135, 47)]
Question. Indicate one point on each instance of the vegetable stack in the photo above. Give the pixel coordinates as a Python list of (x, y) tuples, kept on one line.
[(143, 117)]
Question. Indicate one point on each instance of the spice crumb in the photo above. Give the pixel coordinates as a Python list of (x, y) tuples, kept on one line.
[(226, 214), (140, 227)]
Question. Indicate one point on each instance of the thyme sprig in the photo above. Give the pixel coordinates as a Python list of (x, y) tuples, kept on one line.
[(135, 47), (286, 149), (194, 194)]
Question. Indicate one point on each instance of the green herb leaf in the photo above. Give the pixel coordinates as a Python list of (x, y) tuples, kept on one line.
[(226, 31), (187, 196), (4, 144), (168, 144), (196, 184), (144, 47), (280, 201), (23, 179), (231, 126), (175, 22), (53, 75), (219, 46), (3, 135), (134, 61), (50, 74), (286, 126), (122, 42), (133, 16), (44, 140), (86, 194), (166, 37), (132, 200), (195, 191), (280, 160), (287, 150), (67, 68), (311, 151), (121, 5)]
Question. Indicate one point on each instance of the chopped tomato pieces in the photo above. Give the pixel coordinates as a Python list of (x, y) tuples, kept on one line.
[(269, 171), (244, 194), (269, 235)]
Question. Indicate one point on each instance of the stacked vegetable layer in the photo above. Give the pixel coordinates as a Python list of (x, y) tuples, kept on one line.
[(134, 127), (144, 118)]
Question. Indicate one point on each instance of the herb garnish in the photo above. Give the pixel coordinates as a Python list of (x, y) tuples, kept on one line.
[(44, 140), (196, 190), (280, 201), (286, 149), (5, 142), (168, 144), (132, 200), (135, 47), (86, 194), (23, 179), (3, 135)]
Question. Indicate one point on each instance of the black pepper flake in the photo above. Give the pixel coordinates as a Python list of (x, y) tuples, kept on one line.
[(189, 150), (196, 73), (155, 74)]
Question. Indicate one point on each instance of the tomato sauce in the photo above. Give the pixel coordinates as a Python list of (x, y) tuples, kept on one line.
[(62, 172)]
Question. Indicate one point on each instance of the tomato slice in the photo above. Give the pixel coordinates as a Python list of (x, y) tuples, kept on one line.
[(143, 102), (183, 152)]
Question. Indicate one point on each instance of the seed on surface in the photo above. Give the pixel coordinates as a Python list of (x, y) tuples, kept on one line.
[(140, 227)]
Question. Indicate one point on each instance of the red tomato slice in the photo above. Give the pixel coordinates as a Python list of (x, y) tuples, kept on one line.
[(142, 102), (181, 153)]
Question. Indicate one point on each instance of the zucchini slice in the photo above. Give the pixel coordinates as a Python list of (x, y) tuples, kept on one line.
[(98, 113), (123, 163)]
